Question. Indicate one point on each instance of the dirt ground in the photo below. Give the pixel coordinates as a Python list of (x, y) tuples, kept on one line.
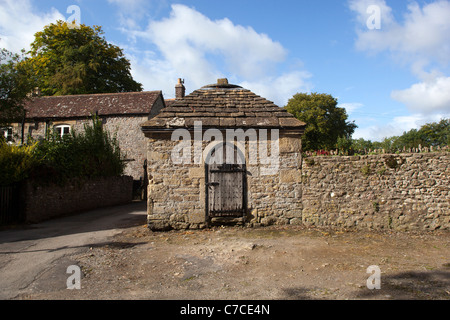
[(274, 263)]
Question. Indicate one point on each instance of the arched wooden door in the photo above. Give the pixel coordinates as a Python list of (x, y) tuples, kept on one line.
[(226, 182)]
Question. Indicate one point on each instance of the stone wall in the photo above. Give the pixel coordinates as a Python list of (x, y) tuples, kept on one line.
[(373, 192), (176, 192), (41, 202), (401, 192), (132, 142)]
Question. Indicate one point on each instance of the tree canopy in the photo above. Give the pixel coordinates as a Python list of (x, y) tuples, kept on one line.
[(326, 122), (14, 87), (67, 60)]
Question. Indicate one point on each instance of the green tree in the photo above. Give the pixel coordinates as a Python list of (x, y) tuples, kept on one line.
[(362, 145), (436, 133), (14, 87), (326, 122), (344, 145), (78, 60), (411, 139)]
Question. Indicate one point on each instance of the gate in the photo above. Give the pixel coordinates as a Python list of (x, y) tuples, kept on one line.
[(226, 184), (10, 209)]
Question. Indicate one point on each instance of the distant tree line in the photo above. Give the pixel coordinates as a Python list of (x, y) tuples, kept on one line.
[(435, 134), (328, 130)]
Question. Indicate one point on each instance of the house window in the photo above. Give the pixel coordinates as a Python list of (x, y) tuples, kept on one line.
[(7, 133), (62, 130)]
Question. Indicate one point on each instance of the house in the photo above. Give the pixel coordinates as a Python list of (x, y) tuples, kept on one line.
[(121, 114), (223, 154)]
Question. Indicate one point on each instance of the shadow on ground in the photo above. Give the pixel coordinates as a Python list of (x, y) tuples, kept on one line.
[(432, 284), (121, 217), (426, 285)]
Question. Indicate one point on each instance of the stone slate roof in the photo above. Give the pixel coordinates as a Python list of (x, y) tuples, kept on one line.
[(223, 106), (85, 105)]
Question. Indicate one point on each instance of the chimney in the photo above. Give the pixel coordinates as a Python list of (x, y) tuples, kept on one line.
[(222, 82), (180, 90)]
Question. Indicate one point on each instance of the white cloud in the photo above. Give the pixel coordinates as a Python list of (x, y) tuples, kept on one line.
[(423, 35), (192, 46), (351, 107), (421, 41), (187, 36), (131, 12), (432, 96), (20, 20), (281, 88)]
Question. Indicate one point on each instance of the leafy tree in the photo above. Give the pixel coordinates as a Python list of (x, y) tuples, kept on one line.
[(78, 60), (14, 87), (344, 145), (361, 144), (431, 134), (325, 121), (436, 133)]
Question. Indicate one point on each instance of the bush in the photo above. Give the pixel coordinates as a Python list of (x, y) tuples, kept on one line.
[(92, 153), (16, 162)]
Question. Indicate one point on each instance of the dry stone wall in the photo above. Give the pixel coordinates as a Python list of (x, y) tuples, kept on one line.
[(42, 202), (389, 191)]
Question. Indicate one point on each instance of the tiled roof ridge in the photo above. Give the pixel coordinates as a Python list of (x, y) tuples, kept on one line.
[(98, 94)]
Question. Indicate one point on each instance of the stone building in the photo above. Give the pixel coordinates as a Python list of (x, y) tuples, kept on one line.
[(223, 154), (121, 114)]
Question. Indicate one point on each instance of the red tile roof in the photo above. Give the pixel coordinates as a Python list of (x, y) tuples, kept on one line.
[(88, 104)]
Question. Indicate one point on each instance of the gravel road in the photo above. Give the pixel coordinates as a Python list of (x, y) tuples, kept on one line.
[(281, 263)]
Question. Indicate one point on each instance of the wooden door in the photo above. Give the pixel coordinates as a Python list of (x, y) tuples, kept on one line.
[(226, 188)]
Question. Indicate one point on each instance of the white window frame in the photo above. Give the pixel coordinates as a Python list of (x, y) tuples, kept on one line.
[(8, 134), (60, 128)]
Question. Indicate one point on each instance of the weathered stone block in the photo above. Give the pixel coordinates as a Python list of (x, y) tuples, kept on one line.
[(158, 224), (197, 172), (290, 144), (290, 176), (157, 156), (196, 216)]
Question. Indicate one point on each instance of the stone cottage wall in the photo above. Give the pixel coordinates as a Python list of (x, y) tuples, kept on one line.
[(176, 192), (401, 192), (132, 142)]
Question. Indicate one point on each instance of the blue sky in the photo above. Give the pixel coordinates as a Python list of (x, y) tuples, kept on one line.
[(390, 78)]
